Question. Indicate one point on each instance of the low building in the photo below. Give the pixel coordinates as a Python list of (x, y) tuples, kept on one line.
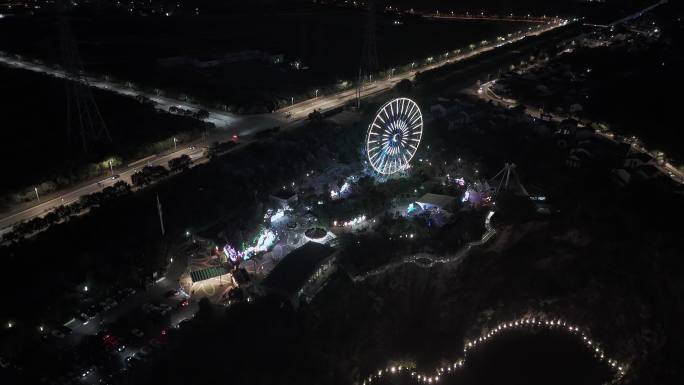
[(636, 160), (288, 277), (621, 177), (647, 172)]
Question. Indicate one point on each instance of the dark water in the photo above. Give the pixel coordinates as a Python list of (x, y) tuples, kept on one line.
[(524, 357)]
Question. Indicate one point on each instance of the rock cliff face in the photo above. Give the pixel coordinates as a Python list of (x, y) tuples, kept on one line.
[(618, 288)]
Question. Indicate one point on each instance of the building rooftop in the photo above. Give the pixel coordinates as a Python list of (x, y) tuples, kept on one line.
[(293, 271), (642, 156), (438, 200), (208, 273)]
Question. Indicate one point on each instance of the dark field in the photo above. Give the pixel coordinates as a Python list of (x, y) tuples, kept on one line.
[(326, 40)]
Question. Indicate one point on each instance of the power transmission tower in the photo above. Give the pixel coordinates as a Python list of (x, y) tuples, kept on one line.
[(161, 216), (507, 179), (83, 115), (369, 51)]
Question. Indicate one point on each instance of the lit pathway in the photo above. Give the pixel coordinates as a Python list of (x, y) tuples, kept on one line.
[(532, 321), (427, 261)]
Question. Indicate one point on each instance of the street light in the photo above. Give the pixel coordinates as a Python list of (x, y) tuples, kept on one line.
[(85, 288), (111, 168), (175, 142), (316, 91), (37, 196)]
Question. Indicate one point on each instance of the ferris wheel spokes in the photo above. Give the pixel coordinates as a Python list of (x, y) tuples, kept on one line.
[(394, 136)]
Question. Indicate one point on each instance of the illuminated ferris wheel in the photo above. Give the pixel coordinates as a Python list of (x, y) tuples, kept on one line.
[(394, 136)]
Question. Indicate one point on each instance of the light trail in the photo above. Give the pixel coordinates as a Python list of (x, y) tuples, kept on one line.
[(486, 335)]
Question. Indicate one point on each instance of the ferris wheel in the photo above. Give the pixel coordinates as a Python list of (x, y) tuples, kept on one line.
[(394, 136)]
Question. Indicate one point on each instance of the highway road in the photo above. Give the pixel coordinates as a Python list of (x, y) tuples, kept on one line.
[(228, 124)]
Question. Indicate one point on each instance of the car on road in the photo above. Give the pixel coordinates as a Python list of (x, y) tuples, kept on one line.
[(184, 303), (116, 176), (85, 372)]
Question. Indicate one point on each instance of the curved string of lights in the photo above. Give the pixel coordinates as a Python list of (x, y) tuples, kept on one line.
[(427, 261), (487, 334), (394, 136)]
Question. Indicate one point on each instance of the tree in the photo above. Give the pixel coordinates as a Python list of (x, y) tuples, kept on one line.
[(315, 117), (205, 311), (404, 87), (182, 162), (202, 114), (139, 179)]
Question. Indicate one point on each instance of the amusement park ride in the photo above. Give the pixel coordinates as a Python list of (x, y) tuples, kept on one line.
[(394, 136)]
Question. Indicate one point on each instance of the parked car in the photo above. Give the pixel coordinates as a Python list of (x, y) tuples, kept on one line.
[(105, 306), (148, 308), (164, 308), (57, 333), (145, 351), (92, 311)]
